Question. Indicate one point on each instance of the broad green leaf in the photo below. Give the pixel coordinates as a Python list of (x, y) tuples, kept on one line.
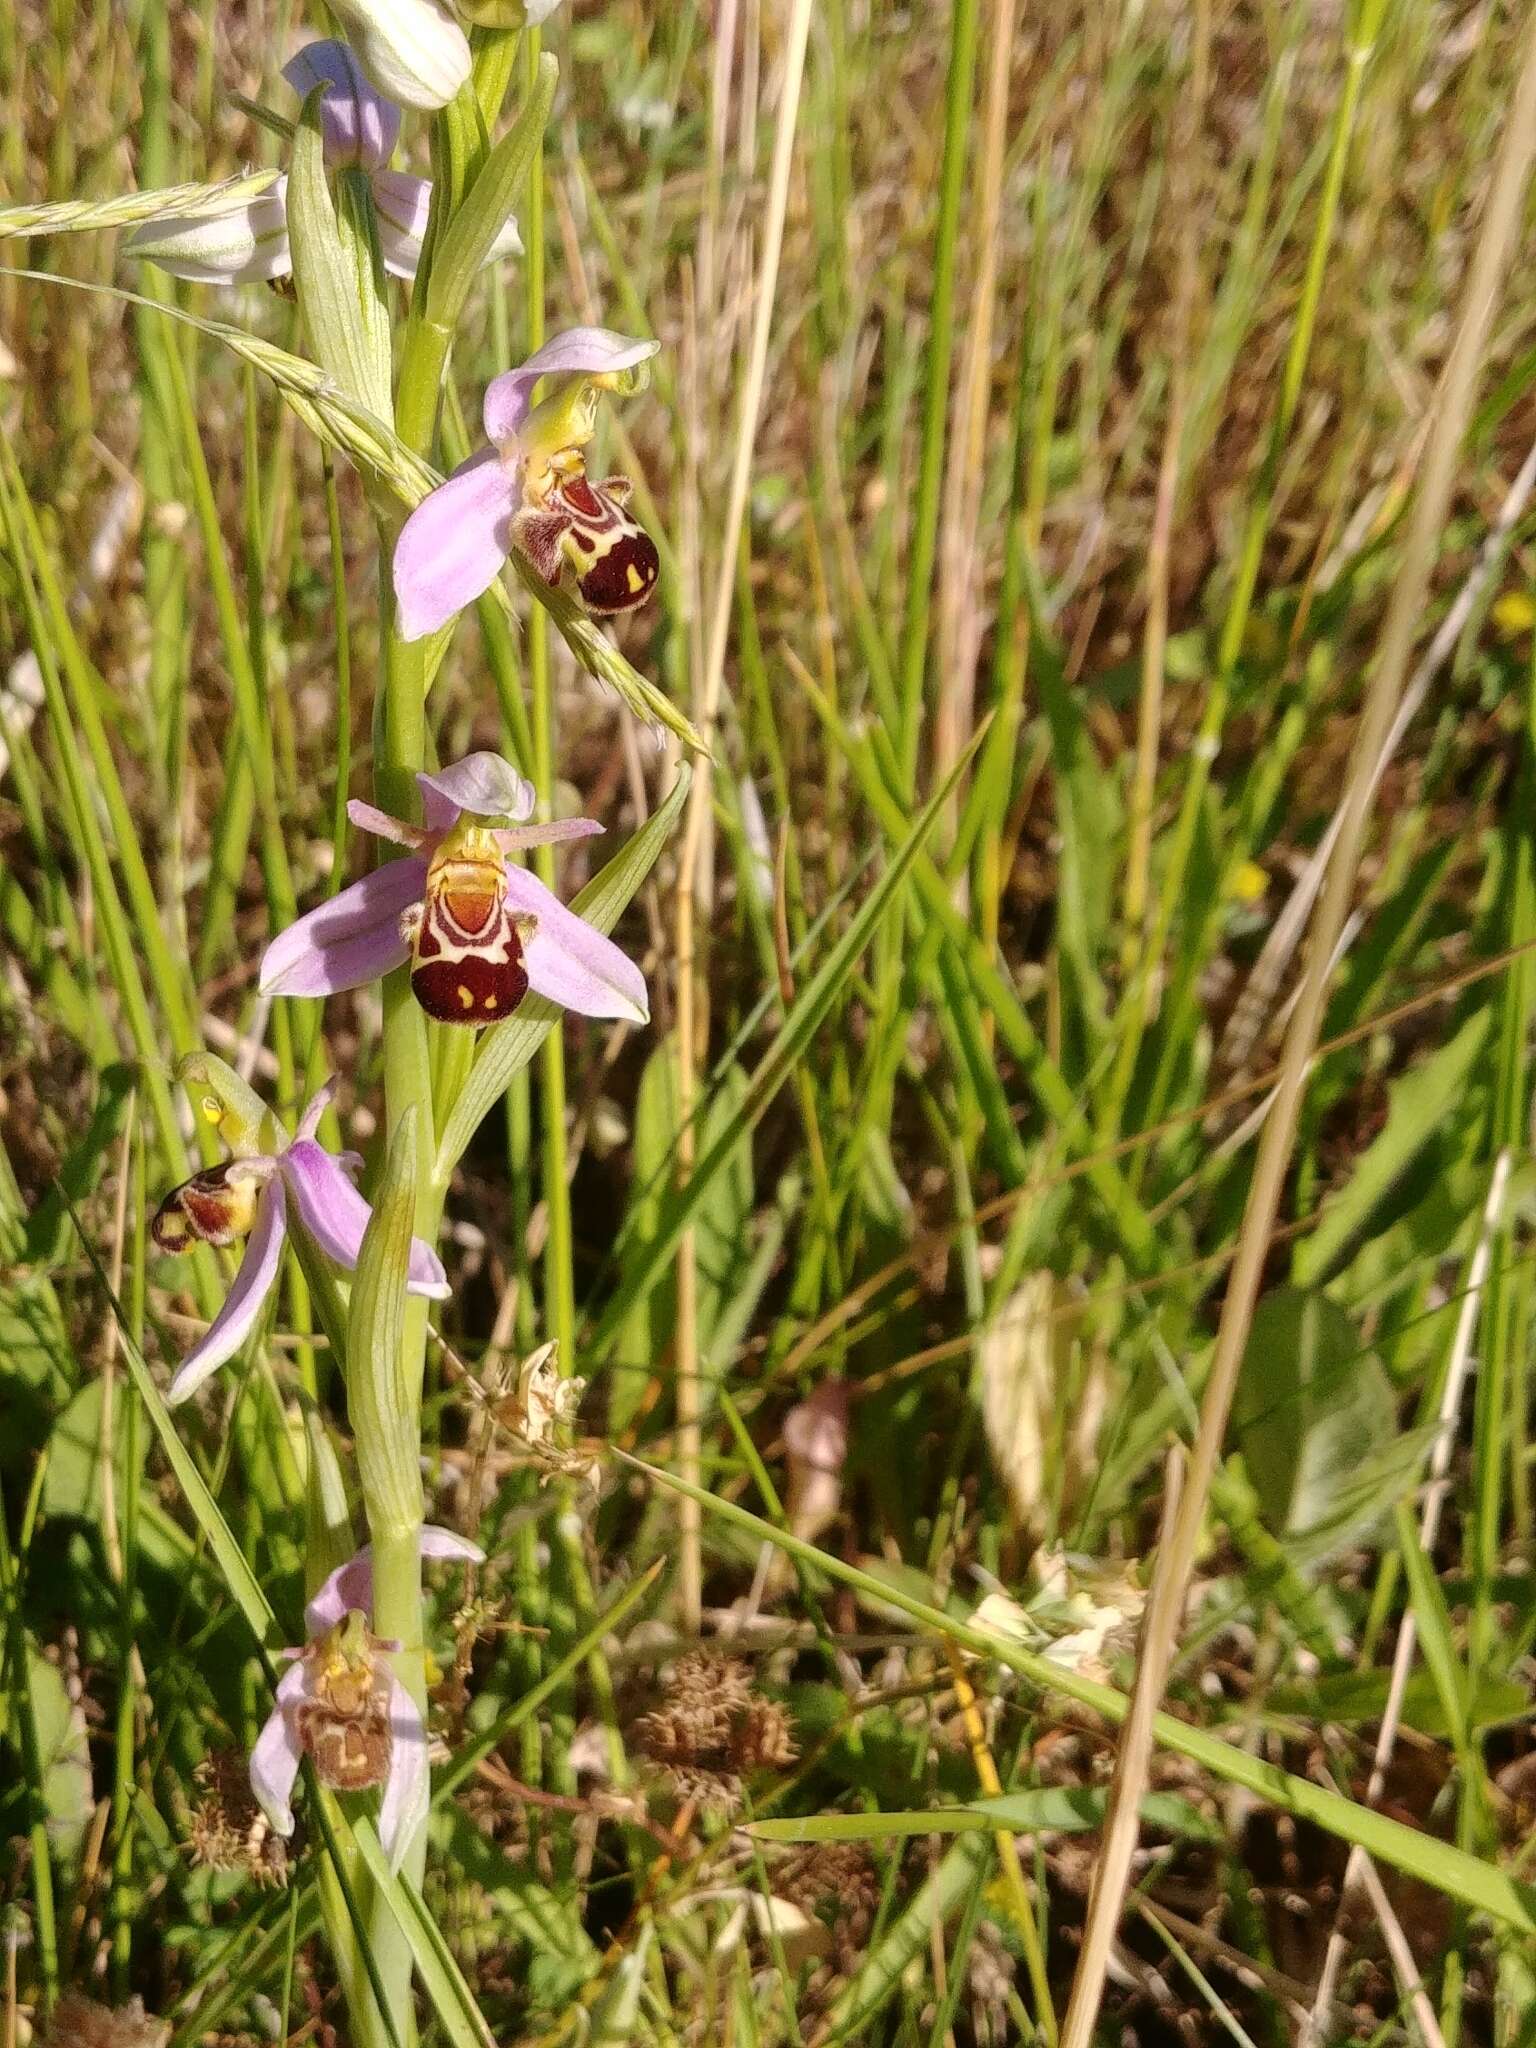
[(48, 1225), (463, 247), (63, 1753), (506, 1048), (1421, 1099), (1311, 1406), (952, 1880), (381, 1407), (338, 270), (1352, 1698), (72, 1481), (441, 1979)]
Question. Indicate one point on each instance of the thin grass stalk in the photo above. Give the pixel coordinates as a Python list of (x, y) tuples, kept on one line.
[(1165, 1604), (690, 1012), (1188, 127), (958, 641), (925, 519)]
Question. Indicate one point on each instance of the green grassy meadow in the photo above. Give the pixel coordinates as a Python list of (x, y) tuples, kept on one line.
[(1066, 1219)]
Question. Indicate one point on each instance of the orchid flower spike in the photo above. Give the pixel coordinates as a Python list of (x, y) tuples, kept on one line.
[(478, 930), (341, 1704), (530, 491), (248, 1196), (359, 128)]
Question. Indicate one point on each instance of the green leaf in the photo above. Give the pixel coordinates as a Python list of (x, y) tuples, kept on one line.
[(1420, 1101), (1051, 1809), (461, 2020), (1351, 1698), (64, 1754), (48, 1224), (507, 1048), (1311, 1407), (380, 1405), (337, 268), (457, 259)]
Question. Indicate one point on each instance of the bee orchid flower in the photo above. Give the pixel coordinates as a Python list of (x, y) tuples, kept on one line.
[(359, 128), (478, 930), (341, 1704), (530, 490), (268, 1182)]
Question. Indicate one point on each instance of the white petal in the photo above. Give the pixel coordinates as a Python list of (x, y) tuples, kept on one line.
[(412, 49), (246, 245)]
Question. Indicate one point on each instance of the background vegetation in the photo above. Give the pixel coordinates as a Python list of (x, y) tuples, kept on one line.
[(1102, 357)]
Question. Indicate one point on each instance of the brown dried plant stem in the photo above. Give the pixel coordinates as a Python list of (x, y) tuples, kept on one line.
[(690, 1013), (1165, 1605)]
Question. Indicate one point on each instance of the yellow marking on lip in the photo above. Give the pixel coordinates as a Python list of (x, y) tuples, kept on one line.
[(636, 580), (466, 996)]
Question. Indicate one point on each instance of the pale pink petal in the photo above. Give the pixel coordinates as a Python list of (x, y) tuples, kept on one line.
[(368, 818), (350, 939), (404, 1805), (519, 836), (335, 1215), (242, 1305), (358, 125), (314, 1110), (569, 962), (597, 351), (275, 1759), (402, 204), (351, 1584), (453, 545), (482, 783)]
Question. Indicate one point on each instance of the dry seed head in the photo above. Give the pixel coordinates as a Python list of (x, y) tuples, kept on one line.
[(77, 2023), (227, 1830), (710, 1727)]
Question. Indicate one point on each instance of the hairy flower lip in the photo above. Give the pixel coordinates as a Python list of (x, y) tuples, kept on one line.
[(355, 936), (280, 1747), (300, 1181), (454, 544)]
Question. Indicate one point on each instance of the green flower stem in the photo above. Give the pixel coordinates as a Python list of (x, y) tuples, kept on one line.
[(395, 1530)]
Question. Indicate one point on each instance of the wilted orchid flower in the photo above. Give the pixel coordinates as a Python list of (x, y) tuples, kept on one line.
[(358, 129), (248, 1196), (341, 1704), (530, 491), (478, 930)]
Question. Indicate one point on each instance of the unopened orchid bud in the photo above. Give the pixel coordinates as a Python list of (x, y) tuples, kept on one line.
[(245, 244), (358, 126), (413, 50)]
